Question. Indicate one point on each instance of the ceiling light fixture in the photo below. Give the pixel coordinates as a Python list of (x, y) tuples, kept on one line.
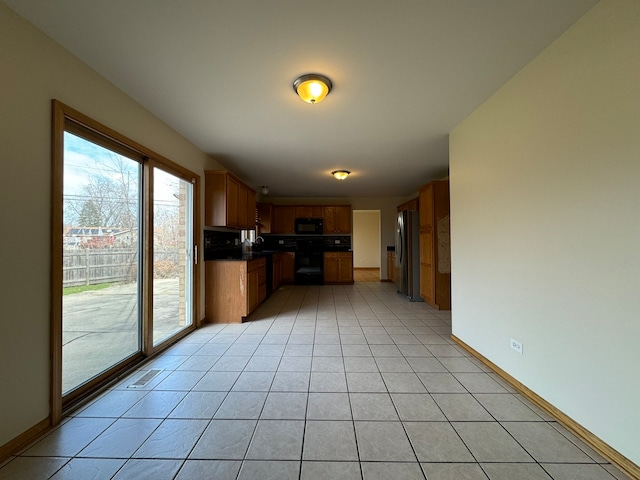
[(340, 174), (265, 190), (312, 88)]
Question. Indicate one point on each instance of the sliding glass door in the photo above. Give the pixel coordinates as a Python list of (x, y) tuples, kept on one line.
[(101, 302), (123, 280), (172, 255)]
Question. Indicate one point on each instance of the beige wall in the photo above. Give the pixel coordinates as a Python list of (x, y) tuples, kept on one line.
[(34, 71), (545, 225), (366, 239)]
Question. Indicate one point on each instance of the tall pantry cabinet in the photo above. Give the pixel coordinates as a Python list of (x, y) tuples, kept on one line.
[(435, 245)]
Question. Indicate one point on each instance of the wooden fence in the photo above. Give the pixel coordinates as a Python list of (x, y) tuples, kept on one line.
[(111, 265)]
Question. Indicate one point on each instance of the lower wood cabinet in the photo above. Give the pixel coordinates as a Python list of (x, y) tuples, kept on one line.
[(283, 268), (391, 266), (233, 289), (338, 267)]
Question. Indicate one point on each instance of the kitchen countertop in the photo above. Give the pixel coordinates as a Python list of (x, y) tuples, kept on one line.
[(266, 253)]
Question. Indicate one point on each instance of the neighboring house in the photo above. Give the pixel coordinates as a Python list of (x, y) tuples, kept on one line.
[(96, 237)]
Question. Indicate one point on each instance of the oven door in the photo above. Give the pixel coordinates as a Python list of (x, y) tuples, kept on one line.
[(309, 267)]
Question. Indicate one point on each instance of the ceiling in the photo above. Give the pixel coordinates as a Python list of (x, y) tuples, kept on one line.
[(405, 73)]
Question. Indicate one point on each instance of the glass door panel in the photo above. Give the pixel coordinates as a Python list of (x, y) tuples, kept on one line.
[(173, 255), (101, 314)]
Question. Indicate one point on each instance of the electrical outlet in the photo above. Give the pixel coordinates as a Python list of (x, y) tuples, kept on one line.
[(280, 242), (337, 242), (516, 345)]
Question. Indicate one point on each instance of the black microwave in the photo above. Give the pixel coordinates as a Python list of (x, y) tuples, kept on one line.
[(309, 226)]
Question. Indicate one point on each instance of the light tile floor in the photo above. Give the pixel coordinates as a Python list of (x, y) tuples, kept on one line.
[(331, 382)]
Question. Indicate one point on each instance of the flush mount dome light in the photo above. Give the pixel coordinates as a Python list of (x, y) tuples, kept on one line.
[(312, 88), (340, 174)]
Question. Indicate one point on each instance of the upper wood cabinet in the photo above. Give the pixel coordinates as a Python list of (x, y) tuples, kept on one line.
[(265, 214), (412, 204), (435, 245), (283, 219), (337, 218), (309, 211), (228, 201)]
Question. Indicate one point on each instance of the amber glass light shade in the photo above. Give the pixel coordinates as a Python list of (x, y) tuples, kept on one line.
[(340, 174), (312, 88)]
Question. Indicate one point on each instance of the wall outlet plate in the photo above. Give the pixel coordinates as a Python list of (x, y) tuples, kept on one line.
[(516, 345), (280, 242), (337, 242)]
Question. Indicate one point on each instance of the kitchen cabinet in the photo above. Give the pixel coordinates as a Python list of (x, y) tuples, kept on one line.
[(264, 217), (283, 219), (337, 218), (391, 265), (435, 245), (309, 211), (233, 289), (283, 268), (412, 204), (338, 267), (228, 201)]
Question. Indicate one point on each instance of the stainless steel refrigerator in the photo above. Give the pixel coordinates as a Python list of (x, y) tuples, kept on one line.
[(408, 255)]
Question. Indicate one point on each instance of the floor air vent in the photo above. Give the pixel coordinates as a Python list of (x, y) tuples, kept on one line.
[(144, 379)]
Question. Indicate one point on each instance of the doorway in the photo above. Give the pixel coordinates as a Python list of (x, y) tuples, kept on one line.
[(366, 245)]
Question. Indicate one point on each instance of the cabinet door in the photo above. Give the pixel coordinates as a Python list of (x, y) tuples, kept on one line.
[(426, 206), (331, 267), (262, 283), (264, 217), (345, 267), (283, 221), (329, 216), (427, 266), (232, 202), (215, 194), (288, 267), (303, 212), (343, 219), (242, 206), (391, 266), (253, 288)]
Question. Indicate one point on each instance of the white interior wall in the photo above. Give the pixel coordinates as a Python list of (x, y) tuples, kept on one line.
[(366, 239), (36, 70), (545, 191)]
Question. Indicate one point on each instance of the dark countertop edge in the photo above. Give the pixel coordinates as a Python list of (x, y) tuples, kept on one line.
[(258, 255)]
